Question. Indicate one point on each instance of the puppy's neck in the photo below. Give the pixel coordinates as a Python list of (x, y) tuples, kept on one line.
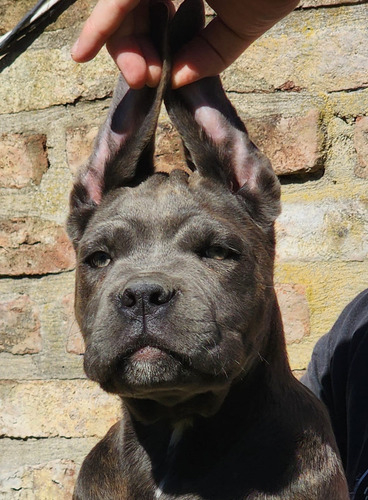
[(178, 430), (177, 433)]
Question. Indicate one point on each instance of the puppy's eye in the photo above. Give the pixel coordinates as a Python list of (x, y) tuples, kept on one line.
[(217, 252), (99, 259)]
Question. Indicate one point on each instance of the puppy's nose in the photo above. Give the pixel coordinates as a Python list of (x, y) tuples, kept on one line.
[(145, 298)]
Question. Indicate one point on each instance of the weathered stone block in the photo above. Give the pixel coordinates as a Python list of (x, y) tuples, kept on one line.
[(79, 145), (73, 16), (32, 246), (19, 326), (45, 76), (11, 12), (309, 50), (68, 408), (325, 230), (295, 311), (326, 3), (293, 144), (361, 145), (23, 159), (53, 480)]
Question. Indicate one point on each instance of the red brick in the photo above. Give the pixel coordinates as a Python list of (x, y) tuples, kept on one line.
[(23, 159), (74, 339), (293, 144), (295, 312), (79, 145), (361, 145), (169, 150), (32, 246), (19, 326)]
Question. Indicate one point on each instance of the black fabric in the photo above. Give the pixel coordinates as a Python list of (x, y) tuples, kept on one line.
[(338, 375)]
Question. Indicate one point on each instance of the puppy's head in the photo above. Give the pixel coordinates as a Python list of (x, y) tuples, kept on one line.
[(174, 272)]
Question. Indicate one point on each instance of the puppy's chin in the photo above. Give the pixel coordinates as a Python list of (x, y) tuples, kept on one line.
[(146, 370), (158, 384)]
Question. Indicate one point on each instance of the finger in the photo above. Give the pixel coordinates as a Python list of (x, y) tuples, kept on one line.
[(105, 19), (137, 60), (129, 58), (252, 17), (133, 51), (125, 48), (153, 62), (208, 54)]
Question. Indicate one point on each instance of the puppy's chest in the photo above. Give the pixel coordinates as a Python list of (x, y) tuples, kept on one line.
[(169, 474), (167, 477)]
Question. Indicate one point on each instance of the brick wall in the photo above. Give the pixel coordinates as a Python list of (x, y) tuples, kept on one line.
[(302, 90)]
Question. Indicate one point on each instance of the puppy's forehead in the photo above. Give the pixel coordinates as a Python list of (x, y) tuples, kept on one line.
[(162, 197)]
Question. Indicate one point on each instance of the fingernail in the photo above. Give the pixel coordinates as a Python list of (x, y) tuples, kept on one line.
[(184, 76), (177, 78)]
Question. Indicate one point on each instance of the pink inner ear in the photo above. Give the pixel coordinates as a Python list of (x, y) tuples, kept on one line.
[(245, 168), (217, 127), (211, 121), (93, 179), (108, 144), (93, 184)]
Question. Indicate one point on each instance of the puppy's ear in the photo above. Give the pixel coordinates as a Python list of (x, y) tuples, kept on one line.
[(124, 148), (215, 139)]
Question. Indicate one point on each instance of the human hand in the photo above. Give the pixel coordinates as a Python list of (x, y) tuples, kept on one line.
[(124, 26), (237, 25)]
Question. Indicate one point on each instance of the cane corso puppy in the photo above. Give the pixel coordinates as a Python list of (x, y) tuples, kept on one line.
[(176, 303)]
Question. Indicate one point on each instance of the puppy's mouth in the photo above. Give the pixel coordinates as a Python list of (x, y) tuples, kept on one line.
[(144, 367), (150, 370), (152, 353), (148, 354)]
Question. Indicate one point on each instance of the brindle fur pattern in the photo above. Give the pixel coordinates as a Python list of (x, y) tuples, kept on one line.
[(175, 300)]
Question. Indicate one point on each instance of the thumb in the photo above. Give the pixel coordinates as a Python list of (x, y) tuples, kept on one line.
[(209, 53)]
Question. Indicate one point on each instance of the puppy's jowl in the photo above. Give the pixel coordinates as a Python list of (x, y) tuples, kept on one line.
[(175, 300)]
